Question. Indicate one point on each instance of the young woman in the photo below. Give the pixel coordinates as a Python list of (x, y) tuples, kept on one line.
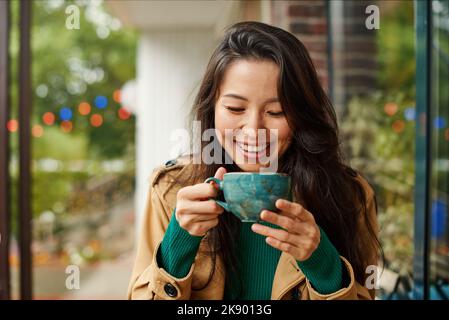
[(318, 246)]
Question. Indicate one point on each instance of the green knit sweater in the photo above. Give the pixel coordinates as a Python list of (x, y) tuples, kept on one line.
[(257, 262)]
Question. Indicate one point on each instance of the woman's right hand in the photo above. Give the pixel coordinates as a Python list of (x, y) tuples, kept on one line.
[(195, 213)]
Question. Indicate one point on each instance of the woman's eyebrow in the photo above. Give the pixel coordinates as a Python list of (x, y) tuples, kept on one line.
[(236, 96)]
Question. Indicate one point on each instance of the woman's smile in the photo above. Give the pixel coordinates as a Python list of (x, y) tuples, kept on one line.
[(253, 151)]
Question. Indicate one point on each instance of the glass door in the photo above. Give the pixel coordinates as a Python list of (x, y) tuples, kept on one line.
[(439, 179)]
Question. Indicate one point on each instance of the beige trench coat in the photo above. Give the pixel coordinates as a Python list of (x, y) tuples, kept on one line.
[(151, 282)]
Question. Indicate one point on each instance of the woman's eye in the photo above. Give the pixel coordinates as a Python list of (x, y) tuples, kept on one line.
[(235, 109), (276, 114)]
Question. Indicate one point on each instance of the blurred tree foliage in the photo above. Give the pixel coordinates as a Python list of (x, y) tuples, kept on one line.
[(396, 48), (70, 66), (382, 148), (74, 66), (379, 131)]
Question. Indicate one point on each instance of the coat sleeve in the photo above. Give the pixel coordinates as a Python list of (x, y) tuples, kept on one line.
[(355, 290), (148, 280)]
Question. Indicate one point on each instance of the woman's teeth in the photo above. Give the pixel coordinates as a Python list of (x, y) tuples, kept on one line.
[(254, 149)]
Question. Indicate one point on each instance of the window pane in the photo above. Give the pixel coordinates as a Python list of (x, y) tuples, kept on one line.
[(374, 93), (439, 259)]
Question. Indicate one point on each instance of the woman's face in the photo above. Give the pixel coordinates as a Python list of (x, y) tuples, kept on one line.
[(248, 108)]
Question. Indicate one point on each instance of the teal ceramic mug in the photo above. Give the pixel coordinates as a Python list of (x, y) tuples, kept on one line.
[(248, 193)]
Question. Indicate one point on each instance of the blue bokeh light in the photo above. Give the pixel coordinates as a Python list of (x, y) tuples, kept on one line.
[(439, 122), (410, 114), (65, 114), (101, 102)]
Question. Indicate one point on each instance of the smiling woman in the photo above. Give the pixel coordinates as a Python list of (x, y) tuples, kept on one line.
[(248, 104), (259, 80)]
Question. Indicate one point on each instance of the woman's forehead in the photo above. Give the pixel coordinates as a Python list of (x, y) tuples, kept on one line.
[(247, 78)]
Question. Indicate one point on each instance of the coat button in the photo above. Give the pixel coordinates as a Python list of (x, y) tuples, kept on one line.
[(170, 290)]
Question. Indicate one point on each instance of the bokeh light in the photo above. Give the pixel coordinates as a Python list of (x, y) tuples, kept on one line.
[(439, 122), (65, 114), (101, 102), (398, 126), (446, 134), (390, 108), (410, 114), (66, 126), (48, 118), (12, 125), (123, 114), (37, 131), (117, 96), (84, 108), (96, 120)]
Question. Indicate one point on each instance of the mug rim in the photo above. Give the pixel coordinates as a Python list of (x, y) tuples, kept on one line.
[(259, 173)]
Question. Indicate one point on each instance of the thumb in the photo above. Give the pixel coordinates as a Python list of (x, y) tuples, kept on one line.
[(220, 173)]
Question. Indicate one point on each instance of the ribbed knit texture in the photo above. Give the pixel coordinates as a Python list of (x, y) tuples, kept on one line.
[(257, 261), (324, 267), (257, 265), (178, 249)]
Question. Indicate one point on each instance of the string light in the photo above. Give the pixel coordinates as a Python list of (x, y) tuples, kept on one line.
[(410, 114), (398, 126), (101, 102), (84, 108), (37, 131), (96, 120), (65, 114), (48, 118), (390, 108), (439, 122), (123, 114), (66, 126), (116, 96), (12, 125)]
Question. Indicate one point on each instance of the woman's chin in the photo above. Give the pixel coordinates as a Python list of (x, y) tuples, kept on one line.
[(249, 167)]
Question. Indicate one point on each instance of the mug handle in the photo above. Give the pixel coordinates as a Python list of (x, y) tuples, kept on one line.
[(219, 182)]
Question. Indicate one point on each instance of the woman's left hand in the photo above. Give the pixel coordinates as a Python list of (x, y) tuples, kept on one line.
[(301, 235)]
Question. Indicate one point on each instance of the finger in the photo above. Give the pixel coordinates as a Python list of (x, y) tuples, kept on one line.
[(207, 207), (278, 219), (204, 220), (281, 219), (201, 228), (283, 246), (198, 191), (219, 174), (294, 209), (279, 234)]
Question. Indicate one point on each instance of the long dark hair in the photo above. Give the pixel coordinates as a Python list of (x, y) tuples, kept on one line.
[(325, 185)]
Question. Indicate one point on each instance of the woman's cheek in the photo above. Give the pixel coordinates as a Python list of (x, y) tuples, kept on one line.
[(285, 138)]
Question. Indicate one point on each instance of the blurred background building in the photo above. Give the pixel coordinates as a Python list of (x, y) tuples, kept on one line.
[(108, 97)]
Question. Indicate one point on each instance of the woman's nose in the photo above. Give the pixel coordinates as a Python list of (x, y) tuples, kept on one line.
[(253, 127)]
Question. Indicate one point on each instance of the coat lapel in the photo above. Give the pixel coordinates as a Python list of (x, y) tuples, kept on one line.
[(286, 277)]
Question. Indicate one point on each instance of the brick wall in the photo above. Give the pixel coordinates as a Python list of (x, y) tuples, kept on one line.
[(307, 20), (353, 49)]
